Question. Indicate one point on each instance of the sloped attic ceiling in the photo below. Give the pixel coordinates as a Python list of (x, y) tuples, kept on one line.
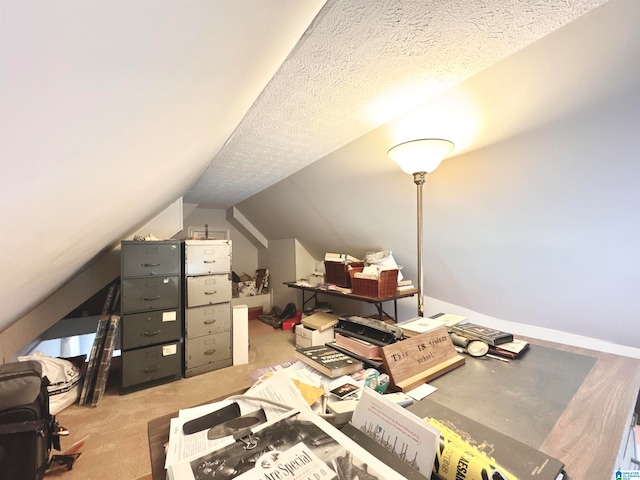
[(113, 110), (359, 65)]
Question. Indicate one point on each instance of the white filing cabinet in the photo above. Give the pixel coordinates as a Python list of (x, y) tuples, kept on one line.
[(208, 332)]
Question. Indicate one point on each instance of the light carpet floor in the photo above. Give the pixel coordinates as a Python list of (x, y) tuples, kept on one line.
[(117, 445)]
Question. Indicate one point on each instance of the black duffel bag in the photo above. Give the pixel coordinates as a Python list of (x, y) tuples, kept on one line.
[(28, 431)]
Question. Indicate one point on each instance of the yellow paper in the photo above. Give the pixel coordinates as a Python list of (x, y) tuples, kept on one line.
[(310, 393)]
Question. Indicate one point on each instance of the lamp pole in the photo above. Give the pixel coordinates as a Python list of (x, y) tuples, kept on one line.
[(419, 179), (417, 158)]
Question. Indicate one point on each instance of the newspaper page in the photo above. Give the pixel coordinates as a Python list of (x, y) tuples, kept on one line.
[(298, 446), (278, 388)]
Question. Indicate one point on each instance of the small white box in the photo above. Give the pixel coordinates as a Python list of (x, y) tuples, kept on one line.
[(316, 278), (342, 411), (306, 337), (240, 334)]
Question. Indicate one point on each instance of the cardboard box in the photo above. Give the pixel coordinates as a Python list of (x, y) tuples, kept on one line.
[(306, 337), (320, 321)]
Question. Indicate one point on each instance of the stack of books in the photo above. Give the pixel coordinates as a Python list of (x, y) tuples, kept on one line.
[(496, 342), (418, 325), (490, 336), (405, 285), (510, 350), (328, 360), (500, 343)]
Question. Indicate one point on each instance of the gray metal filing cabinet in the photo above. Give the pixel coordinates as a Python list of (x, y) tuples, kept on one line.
[(207, 305), (151, 310)]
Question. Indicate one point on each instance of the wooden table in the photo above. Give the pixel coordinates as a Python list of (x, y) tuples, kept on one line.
[(590, 418), (315, 291), (571, 403), (158, 432)]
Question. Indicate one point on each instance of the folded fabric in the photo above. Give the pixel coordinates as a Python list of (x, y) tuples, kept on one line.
[(64, 380)]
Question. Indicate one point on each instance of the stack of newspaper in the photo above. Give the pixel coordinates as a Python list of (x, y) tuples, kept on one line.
[(264, 440)]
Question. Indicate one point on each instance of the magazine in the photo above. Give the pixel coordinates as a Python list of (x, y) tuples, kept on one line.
[(299, 445), (400, 438)]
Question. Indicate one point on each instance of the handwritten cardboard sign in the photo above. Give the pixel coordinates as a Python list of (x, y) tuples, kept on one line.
[(419, 359)]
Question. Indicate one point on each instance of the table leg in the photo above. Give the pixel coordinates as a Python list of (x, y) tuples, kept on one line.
[(314, 296)]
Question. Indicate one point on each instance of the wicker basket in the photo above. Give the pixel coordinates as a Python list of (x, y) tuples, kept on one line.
[(338, 273), (385, 286)]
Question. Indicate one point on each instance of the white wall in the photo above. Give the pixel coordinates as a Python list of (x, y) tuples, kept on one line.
[(543, 228), (163, 225), (280, 259), (305, 262)]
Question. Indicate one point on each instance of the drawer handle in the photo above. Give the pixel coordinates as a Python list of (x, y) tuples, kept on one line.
[(150, 264), (151, 334), (210, 352), (211, 293), (209, 322), (147, 299), (209, 261), (151, 369)]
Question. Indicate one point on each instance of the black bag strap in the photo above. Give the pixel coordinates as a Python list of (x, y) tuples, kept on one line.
[(55, 430)]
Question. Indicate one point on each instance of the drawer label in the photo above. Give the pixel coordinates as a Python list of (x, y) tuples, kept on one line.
[(169, 316), (169, 350)]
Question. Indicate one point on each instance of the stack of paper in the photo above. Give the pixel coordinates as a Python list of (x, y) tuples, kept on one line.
[(293, 444)]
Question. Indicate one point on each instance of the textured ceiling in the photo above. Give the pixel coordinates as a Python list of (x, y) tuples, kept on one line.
[(359, 65)]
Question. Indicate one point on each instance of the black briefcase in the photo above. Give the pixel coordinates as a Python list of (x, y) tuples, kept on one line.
[(28, 431)]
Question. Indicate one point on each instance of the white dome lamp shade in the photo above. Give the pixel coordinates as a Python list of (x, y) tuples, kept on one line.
[(422, 155), (418, 158)]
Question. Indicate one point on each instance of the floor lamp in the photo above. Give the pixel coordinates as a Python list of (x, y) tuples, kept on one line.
[(417, 158)]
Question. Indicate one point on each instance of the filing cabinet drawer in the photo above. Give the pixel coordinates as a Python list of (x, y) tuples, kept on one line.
[(208, 289), (208, 319), (208, 349), (151, 364), (150, 258), (142, 329), (150, 293), (203, 257)]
